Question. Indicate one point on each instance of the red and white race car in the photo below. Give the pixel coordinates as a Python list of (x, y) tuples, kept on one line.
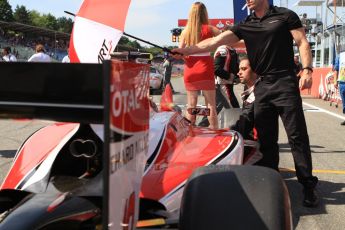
[(136, 167)]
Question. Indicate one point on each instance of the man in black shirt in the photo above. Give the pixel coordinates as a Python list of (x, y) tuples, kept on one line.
[(268, 34)]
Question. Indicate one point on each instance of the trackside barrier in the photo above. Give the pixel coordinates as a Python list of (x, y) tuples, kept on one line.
[(319, 87)]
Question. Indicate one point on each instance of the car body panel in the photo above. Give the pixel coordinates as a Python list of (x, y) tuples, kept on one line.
[(179, 149), (156, 78), (176, 149), (34, 159)]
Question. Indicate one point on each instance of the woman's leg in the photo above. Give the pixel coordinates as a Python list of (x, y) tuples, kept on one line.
[(210, 98), (192, 100)]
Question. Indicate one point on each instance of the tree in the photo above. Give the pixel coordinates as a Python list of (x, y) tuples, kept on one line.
[(134, 44), (124, 40), (21, 14), (6, 13), (154, 50), (64, 25), (50, 21), (35, 18)]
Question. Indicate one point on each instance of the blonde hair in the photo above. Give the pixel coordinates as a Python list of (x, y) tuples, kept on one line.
[(198, 16)]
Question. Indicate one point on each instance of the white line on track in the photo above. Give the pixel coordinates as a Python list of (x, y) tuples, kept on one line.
[(325, 111)]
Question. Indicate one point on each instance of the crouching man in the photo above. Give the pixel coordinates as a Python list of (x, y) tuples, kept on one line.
[(245, 124)]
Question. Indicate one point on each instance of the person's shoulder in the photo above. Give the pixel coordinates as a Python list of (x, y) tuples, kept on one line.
[(283, 10), (66, 59), (46, 57), (12, 57), (33, 56), (242, 22), (279, 9)]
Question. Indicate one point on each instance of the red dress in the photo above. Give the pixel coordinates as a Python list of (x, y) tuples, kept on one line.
[(199, 68)]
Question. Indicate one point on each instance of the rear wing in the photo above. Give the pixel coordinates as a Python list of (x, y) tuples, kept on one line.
[(114, 93), (56, 91)]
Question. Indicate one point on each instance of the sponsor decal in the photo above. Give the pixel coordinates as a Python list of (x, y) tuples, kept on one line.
[(128, 140), (122, 156), (105, 51), (129, 98), (124, 102)]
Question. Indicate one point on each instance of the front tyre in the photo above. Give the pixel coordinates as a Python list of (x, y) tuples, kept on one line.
[(235, 197)]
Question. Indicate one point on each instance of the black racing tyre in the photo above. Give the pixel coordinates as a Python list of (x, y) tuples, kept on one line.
[(235, 197)]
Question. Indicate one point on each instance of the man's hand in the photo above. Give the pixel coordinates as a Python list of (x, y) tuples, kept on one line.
[(176, 54), (179, 53), (306, 80)]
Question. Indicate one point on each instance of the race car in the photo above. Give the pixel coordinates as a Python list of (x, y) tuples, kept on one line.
[(156, 78), (120, 163)]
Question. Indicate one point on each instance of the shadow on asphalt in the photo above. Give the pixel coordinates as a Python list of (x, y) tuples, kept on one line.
[(159, 92), (329, 194), (285, 148), (155, 92), (7, 153)]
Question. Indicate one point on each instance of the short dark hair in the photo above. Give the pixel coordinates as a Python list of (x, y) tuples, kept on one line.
[(242, 57)]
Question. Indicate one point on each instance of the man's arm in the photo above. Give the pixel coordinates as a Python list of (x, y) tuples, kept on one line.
[(209, 44), (306, 57)]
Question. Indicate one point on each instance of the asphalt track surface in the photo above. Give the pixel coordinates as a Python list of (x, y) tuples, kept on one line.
[(327, 140)]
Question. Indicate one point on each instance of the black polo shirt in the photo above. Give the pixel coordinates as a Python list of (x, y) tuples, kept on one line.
[(269, 41)]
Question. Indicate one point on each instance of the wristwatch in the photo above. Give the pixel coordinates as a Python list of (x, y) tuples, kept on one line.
[(308, 68)]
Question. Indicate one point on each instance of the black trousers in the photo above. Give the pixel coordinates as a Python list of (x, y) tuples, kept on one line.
[(167, 80), (279, 96)]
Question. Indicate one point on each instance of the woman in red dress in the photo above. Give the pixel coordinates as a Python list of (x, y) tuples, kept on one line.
[(199, 68)]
